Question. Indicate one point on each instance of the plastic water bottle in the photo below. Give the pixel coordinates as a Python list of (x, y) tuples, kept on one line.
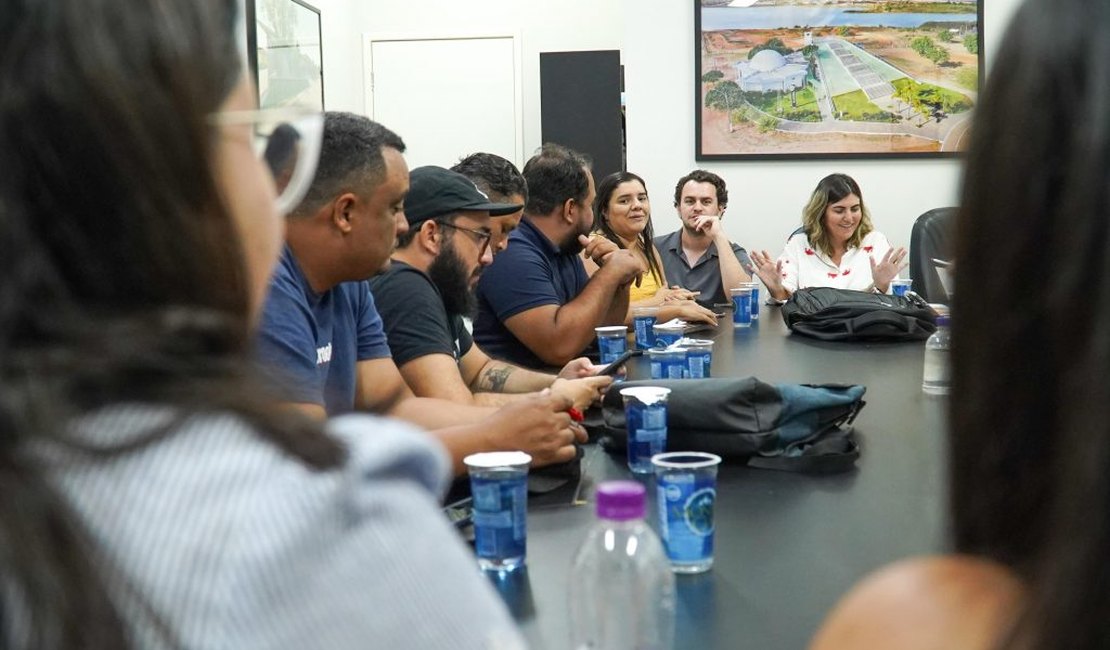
[(937, 378), (622, 589)]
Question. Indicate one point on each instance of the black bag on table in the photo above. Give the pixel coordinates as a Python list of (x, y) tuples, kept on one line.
[(844, 315), (791, 427)]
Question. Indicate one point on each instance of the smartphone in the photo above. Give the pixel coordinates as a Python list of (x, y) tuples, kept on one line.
[(613, 367), (459, 513)]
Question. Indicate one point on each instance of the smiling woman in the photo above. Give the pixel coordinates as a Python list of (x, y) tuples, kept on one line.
[(836, 247)]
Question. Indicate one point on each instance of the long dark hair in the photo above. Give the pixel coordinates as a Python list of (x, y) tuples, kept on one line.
[(605, 190), (830, 189), (121, 273), (1030, 415)]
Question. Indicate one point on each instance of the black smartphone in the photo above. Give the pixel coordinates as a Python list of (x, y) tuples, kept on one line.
[(613, 367)]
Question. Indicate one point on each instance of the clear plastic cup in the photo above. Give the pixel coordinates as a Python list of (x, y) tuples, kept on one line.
[(645, 417), (742, 307), (668, 363), (643, 322), (699, 356), (754, 286), (667, 334), (611, 342), (686, 487), (899, 286), (499, 487)]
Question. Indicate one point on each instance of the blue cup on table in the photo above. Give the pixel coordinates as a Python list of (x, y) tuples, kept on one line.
[(667, 363), (899, 287), (686, 487), (612, 342), (699, 356), (667, 334), (499, 491), (645, 417), (754, 286), (742, 307), (643, 323)]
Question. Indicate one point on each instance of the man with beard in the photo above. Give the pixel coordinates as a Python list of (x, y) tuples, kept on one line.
[(429, 288), (320, 332), (690, 254), (536, 306)]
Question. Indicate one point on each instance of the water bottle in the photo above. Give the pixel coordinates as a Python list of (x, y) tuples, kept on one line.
[(937, 378), (621, 589)]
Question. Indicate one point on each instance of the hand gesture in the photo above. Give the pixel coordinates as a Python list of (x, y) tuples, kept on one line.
[(597, 247), (539, 426), (886, 270), (769, 271), (578, 368), (710, 224), (675, 293), (582, 392), (692, 312), (625, 264)]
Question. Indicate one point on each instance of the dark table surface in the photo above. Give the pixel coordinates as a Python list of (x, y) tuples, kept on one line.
[(787, 545)]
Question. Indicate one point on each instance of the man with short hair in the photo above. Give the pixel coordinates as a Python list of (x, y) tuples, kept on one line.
[(691, 257), (537, 308), (498, 179), (429, 287), (320, 327)]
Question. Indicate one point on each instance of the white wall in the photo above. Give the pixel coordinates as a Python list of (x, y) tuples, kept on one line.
[(656, 40)]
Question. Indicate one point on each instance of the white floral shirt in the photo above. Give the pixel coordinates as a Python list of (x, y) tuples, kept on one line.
[(805, 266)]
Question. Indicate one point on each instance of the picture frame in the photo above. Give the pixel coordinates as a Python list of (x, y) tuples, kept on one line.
[(285, 53), (787, 79)]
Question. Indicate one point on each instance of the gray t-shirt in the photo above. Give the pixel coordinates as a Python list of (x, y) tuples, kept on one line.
[(705, 275), (234, 544)]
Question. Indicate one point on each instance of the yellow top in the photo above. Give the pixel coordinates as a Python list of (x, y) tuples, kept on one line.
[(649, 284)]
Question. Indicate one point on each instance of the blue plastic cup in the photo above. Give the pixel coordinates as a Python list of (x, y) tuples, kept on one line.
[(669, 363), (667, 334), (699, 356), (499, 487), (643, 322), (899, 287), (742, 307), (686, 487), (754, 286), (645, 417), (612, 342)]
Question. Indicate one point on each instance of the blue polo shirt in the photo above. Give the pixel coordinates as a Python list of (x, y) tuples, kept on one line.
[(313, 341), (531, 272)]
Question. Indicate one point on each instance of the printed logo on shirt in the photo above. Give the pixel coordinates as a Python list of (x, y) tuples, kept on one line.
[(323, 355)]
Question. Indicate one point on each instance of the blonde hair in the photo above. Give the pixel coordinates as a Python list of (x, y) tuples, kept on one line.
[(831, 189)]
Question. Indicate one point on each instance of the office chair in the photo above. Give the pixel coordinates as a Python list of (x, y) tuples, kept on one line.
[(931, 237)]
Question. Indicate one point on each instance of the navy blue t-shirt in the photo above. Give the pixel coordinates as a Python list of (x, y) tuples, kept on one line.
[(531, 272), (315, 340)]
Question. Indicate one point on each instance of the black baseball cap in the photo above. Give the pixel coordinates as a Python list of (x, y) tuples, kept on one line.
[(436, 192)]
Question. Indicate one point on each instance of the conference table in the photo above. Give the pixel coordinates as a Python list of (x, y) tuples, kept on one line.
[(787, 545)]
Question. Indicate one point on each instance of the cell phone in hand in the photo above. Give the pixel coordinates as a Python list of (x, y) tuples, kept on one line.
[(613, 367)]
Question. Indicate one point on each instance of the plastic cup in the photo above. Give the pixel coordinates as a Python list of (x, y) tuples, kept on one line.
[(499, 487), (611, 342), (754, 286), (699, 356), (643, 320), (686, 486), (645, 417), (669, 363), (742, 307), (667, 334), (899, 287)]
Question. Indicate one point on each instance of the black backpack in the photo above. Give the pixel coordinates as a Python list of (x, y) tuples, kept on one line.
[(791, 427), (844, 315)]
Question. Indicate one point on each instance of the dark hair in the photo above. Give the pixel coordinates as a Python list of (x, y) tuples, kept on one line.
[(1030, 421), (496, 177), (605, 190), (703, 176), (121, 272), (829, 190), (350, 159), (554, 175), (405, 238)]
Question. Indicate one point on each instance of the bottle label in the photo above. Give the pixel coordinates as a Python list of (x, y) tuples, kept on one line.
[(647, 434), (499, 512), (686, 501)]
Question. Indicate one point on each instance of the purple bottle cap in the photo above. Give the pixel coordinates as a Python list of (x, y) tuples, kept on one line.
[(620, 500)]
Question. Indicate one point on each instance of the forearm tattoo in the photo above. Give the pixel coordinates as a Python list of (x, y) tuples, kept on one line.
[(494, 379)]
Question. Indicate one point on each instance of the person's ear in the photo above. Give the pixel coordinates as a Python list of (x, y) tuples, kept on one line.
[(721, 211), (568, 211), (342, 209), (431, 236)]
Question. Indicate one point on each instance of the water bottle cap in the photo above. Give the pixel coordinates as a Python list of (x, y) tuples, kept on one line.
[(620, 500)]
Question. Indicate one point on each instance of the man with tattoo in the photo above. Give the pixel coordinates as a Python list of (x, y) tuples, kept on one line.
[(429, 288)]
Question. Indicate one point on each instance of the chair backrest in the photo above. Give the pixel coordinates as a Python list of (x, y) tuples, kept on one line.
[(931, 237)]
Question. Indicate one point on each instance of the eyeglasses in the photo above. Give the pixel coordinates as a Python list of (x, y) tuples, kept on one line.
[(482, 237), (288, 141)]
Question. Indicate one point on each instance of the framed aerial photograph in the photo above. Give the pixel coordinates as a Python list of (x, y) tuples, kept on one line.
[(789, 79), (285, 52)]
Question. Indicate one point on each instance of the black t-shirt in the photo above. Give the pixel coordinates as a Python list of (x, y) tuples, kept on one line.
[(416, 323)]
